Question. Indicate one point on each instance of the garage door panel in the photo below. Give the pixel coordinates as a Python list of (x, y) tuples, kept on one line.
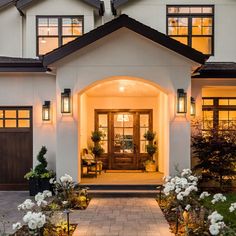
[(15, 156)]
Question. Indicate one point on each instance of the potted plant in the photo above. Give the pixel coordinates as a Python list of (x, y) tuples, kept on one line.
[(39, 177), (97, 136), (150, 164)]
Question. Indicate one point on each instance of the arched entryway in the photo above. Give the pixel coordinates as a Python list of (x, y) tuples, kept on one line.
[(124, 108)]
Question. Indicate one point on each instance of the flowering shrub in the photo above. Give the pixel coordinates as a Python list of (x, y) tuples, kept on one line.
[(34, 217), (183, 199)]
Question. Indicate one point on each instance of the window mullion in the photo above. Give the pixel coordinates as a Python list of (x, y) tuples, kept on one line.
[(60, 31), (190, 31)]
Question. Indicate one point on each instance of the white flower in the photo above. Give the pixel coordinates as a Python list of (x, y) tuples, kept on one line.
[(214, 229), (39, 197), (42, 203), (47, 193), (186, 172), (204, 195), (32, 224), (16, 226), (66, 179), (215, 217), (232, 207), (187, 208), (65, 202), (34, 220), (26, 205), (218, 197), (180, 196), (27, 217), (51, 181)]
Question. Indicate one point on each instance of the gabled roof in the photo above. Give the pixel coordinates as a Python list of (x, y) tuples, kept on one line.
[(131, 24), (21, 4), (4, 3), (15, 64), (216, 70)]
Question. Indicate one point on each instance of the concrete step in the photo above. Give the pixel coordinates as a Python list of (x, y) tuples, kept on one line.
[(116, 190)]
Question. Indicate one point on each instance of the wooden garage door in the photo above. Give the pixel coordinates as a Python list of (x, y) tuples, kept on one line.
[(16, 144)]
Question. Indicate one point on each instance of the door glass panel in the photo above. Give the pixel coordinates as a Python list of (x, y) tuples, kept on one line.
[(1, 113), (10, 123), (142, 132), (23, 114), (10, 113), (102, 119), (223, 102), (23, 123), (143, 145), (128, 120), (144, 120), (232, 102), (104, 145), (1, 123)]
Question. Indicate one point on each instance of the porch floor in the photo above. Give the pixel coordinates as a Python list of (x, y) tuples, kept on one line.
[(124, 178)]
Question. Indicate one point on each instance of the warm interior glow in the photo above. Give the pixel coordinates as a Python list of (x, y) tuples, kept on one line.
[(181, 105)]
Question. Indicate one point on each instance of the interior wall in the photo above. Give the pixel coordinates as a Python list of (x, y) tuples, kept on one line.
[(219, 91)]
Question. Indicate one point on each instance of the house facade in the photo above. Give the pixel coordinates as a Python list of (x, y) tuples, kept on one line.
[(123, 67)]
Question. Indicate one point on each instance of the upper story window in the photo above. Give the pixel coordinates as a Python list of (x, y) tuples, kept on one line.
[(53, 32), (193, 26)]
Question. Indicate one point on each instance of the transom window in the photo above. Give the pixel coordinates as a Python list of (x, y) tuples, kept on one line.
[(53, 32), (15, 118), (219, 113), (192, 26)]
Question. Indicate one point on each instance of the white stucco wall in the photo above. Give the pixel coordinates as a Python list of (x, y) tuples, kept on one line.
[(125, 53), (10, 32), (22, 89)]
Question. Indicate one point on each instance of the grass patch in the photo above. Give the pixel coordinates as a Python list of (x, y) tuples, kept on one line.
[(223, 208)]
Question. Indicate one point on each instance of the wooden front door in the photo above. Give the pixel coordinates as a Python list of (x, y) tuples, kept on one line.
[(123, 140), (124, 144), (16, 144)]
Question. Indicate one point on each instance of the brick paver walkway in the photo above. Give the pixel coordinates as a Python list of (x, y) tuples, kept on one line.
[(103, 217), (122, 217)]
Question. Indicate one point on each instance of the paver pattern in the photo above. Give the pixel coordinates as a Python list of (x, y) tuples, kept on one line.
[(103, 217), (122, 217)]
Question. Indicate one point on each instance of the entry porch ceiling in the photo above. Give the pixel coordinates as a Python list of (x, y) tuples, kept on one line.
[(123, 88)]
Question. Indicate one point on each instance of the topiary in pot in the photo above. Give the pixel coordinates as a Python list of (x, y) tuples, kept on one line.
[(149, 135), (97, 136), (39, 176)]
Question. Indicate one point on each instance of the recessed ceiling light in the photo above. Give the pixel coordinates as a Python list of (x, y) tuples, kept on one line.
[(122, 89)]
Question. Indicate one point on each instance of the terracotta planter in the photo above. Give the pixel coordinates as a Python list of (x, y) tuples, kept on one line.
[(151, 167)]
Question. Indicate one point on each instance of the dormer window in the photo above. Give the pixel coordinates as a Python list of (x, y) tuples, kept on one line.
[(53, 31), (193, 26)]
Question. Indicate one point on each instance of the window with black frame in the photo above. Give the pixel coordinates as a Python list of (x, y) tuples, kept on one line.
[(219, 113), (53, 31), (192, 26)]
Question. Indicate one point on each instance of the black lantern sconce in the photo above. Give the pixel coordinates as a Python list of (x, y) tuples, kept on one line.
[(46, 111), (66, 101), (181, 101), (193, 107)]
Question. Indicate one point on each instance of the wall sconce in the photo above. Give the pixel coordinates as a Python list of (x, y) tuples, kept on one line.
[(46, 111), (66, 101), (193, 107), (181, 101)]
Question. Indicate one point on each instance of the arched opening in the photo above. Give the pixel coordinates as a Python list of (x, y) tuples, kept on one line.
[(124, 109)]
